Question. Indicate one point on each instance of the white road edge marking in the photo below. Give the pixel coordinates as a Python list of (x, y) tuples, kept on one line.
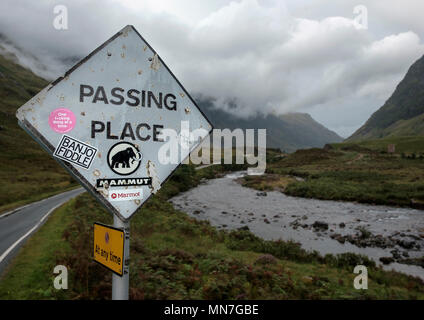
[(13, 211), (4, 215), (4, 255)]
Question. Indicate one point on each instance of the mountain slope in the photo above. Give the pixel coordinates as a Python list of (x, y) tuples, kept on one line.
[(28, 172), (288, 132), (403, 113), (44, 66)]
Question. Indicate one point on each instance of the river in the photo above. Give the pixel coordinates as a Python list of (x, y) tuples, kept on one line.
[(324, 226)]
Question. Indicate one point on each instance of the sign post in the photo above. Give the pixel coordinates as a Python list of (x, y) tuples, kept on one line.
[(120, 284), (106, 121)]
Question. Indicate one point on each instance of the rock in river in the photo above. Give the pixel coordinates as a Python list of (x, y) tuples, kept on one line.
[(320, 225), (387, 260)]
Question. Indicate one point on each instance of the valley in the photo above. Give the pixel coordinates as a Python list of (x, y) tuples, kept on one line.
[(362, 172), (322, 207)]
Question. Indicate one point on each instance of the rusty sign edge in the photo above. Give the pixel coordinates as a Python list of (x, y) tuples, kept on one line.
[(36, 135)]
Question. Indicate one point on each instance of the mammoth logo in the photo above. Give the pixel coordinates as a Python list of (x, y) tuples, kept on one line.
[(124, 158)]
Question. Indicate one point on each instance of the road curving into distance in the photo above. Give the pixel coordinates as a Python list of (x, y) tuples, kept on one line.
[(16, 226)]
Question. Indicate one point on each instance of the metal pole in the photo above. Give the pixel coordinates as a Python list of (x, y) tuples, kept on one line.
[(120, 285)]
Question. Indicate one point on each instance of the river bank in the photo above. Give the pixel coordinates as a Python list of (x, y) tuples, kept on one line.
[(174, 256), (348, 172), (393, 237)]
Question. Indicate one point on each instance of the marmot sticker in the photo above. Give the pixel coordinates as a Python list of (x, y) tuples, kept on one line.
[(75, 151), (124, 158), (125, 195)]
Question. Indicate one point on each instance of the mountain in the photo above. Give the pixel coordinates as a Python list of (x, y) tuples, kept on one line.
[(403, 113), (42, 65), (28, 173), (287, 132)]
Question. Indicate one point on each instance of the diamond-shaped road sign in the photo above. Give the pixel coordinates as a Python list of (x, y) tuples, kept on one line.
[(102, 121)]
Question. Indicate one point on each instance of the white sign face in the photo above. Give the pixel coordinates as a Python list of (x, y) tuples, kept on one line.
[(104, 119)]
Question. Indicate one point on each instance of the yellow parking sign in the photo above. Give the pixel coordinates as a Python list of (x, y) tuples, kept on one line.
[(109, 247)]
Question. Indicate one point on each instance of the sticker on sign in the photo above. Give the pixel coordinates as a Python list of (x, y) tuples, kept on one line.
[(106, 183), (119, 100), (125, 195), (62, 120), (75, 151)]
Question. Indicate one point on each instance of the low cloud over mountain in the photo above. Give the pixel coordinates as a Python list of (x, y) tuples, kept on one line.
[(267, 56)]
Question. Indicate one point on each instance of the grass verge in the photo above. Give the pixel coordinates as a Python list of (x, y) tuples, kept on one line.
[(30, 274), (34, 198), (350, 172), (176, 257)]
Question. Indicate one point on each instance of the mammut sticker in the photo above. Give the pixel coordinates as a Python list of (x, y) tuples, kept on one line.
[(123, 182), (124, 158)]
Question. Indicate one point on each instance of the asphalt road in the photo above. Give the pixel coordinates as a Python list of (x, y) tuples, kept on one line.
[(17, 227)]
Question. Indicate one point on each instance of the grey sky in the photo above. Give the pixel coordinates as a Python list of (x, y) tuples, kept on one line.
[(270, 55)]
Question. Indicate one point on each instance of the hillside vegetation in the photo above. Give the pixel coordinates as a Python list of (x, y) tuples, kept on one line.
[(362, 172), (27, 171), (403, 112), (288, 132), (177, 257), (407, 145)]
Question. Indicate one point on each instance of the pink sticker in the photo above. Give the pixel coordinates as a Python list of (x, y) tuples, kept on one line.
[(62, 120)]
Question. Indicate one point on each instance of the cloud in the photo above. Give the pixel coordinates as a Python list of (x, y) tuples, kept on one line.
[(267, 56), (373, 70)]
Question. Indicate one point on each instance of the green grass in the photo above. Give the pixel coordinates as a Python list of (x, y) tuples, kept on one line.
[(32, 271), (362, 172), (28, 173), (405, 144), (33, 198), (176, 257)]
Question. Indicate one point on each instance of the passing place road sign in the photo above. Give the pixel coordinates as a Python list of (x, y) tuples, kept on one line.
[(104, 118), (109, 247)]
